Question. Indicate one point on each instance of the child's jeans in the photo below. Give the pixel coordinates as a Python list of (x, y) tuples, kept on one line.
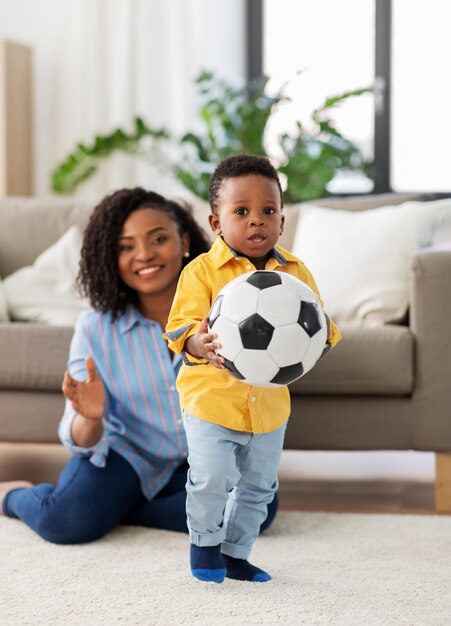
[(231, 481)]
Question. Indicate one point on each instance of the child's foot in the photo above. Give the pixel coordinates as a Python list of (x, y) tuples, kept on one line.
[(207, 563), (9, 486), (240, 569)]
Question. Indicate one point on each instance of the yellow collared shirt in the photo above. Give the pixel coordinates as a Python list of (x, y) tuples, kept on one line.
[(205, 391)]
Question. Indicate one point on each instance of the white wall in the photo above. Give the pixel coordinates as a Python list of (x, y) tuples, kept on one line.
[(97, 63)]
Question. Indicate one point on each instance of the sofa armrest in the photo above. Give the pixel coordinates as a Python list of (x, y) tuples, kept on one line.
[(430, 321)]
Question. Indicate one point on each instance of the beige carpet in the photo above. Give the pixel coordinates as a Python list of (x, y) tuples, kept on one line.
[(327, 569)]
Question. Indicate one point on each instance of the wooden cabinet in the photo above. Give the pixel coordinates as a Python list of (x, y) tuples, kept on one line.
[(16, 133)]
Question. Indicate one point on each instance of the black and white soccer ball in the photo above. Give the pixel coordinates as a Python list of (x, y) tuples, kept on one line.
[(271, 327)]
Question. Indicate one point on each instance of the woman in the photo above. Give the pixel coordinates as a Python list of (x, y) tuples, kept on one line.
[(122, 419)]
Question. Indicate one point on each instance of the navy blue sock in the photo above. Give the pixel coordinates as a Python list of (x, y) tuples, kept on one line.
[(207, 563), (240, 569)]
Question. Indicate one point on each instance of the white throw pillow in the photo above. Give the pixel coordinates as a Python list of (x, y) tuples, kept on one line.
[(442, 234), (361, 260), (4, 315), (45, 292)]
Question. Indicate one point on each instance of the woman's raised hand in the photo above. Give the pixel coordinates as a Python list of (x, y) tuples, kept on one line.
[(87, 397)]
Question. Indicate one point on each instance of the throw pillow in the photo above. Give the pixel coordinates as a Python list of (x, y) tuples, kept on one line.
[(4, 315), (442, 234), (45, 292), (361, 260)]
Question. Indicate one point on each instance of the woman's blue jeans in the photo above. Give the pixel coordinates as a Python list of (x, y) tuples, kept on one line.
[(88, 502)]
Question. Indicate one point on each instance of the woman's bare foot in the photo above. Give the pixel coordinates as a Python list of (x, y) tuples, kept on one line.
[(9, 486)]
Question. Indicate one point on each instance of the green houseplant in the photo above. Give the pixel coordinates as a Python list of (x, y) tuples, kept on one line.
[(233, 120)]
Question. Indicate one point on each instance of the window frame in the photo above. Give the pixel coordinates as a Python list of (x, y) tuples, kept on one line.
[(383, 80)]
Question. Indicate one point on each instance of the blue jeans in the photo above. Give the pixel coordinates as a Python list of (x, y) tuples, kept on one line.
[(231, 483), (89, 501)]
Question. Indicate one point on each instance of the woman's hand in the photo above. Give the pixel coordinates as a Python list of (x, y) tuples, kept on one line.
[(87, 397), (203, 345)]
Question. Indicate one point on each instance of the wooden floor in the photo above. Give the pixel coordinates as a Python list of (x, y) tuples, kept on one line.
[(357, 496)]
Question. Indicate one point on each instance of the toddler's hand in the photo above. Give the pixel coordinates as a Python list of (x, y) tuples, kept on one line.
[(203, 345)]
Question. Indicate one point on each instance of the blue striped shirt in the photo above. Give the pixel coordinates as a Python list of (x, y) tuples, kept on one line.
[(142, 419)]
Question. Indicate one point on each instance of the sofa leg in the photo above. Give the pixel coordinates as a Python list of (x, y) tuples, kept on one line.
[(442, 482)]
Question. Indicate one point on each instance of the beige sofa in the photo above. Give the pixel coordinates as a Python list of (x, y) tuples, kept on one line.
[(382, 388)]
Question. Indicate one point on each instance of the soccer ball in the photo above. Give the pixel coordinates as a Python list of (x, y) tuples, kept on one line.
[(271, 327)]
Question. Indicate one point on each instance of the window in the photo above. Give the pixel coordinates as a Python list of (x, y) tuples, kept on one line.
[(421, 93), (331, 44)]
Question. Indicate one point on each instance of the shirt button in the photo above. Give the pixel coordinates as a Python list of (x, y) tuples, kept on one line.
[(253, 399), (172, 388), (248, 266)]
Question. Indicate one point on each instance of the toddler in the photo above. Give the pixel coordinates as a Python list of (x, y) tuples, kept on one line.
[(235, 431)]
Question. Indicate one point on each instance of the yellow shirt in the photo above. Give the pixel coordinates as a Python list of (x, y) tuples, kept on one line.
[(205, 391)]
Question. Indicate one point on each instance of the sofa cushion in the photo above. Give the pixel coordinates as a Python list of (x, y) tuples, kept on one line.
[(361, 260), (442, 234), (347, 203), (4, 313), (33, 356), (28, 226), (45, 291), (369, 361)]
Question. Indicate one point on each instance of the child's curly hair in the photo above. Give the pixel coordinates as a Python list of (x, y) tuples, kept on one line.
[(98, 278), (240, 165)]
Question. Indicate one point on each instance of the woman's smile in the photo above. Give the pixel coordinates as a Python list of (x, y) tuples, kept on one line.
[(149, 271)]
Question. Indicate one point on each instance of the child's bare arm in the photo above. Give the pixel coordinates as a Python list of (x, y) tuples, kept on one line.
[(202, 345)]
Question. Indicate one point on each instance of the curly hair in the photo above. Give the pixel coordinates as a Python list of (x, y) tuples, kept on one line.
[(240, 165), (98, 278)]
